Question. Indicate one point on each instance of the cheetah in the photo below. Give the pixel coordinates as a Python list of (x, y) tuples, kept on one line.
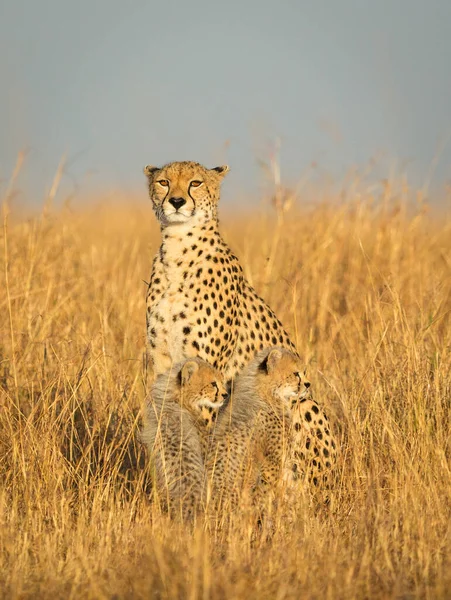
[(198, 302), (182, 402), (271, 428)]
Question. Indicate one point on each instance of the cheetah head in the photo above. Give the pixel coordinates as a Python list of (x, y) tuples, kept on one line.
[(202, 391), (281, 372), (183, 192)]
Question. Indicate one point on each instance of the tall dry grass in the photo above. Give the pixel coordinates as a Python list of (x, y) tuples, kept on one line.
[(365, 288)]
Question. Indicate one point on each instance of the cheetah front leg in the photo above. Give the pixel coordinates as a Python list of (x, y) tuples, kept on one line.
[(270, 461), (180, 480)]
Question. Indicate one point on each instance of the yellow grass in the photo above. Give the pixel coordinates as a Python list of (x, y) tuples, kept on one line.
[(364, 287)]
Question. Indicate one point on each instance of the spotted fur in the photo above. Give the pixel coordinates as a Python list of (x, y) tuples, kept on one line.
[(180, 411), (198, 302), (271, 430)]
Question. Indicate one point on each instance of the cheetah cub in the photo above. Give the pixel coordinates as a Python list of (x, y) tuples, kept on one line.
[(271, 430), (183, 402), (198, 301)]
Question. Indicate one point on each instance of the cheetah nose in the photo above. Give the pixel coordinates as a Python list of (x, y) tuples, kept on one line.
[(307, 384), (177, 202)]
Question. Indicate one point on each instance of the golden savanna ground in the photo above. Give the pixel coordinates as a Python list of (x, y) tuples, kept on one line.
[(363, 285)]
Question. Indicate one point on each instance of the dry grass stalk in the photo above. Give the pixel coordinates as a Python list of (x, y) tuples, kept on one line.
[(365, 285)]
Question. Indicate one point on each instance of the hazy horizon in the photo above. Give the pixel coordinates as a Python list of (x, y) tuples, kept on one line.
[(113, 88)]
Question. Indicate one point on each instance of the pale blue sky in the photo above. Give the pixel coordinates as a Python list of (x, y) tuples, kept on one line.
[(116, 85)]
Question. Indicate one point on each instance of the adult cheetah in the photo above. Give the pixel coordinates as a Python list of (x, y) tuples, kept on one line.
[(198, 301)]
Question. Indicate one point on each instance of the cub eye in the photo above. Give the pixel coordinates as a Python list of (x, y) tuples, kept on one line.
[(196, 183), (163, 182), (215, 385)]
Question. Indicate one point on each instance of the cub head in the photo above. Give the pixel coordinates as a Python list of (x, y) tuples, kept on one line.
[(183, 192), (282, 374), (202, 391)]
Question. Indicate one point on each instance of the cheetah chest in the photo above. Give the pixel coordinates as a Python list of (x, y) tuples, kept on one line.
[(191, 312)]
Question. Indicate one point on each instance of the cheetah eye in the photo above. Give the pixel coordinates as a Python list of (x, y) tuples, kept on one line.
[(163, 182), (196, 183), (215, 385)]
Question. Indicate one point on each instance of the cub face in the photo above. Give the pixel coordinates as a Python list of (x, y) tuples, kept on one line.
[(202, 391), (282, 372), (184, 191)]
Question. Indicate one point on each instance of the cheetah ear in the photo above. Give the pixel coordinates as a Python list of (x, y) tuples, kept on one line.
[(188, 370), (221, 171), (272, 360), (149, 170)]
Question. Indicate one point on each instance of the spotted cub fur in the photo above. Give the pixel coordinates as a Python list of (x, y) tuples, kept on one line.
[(198, 301), (271, 430), (182, 402), (313, 453)]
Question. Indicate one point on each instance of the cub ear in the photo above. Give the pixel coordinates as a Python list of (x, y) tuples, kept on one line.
[(188, 370), (221, 171), (271, 361), (149, 170)]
